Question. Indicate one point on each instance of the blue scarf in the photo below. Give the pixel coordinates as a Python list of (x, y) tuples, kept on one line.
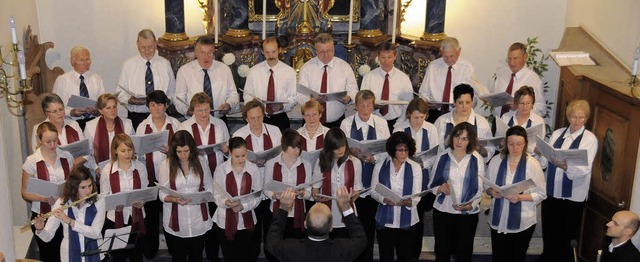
[(450, 126), (384, 215), (424, 146), (74, 240), (470, 184), (513, 221), (367, 168), (511, 122), (567, 184)]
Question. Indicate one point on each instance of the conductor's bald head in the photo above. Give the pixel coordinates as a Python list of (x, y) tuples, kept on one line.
[(319, 221)]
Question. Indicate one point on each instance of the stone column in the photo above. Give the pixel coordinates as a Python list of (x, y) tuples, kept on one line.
[(369, 18), (434, 21), (174, 21), (239, 20)]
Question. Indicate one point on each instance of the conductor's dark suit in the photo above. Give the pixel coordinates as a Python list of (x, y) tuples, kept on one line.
[(625, 252), (338, 250)]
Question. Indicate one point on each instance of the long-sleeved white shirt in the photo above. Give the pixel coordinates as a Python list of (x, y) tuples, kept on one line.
[(56, 173), (190, 79), (220, 177), (221, 134), (284, 79), (62, 136), (126, 184), (400, 89), (524, 77), (483, 128), (432, 136), (68, 84), (397, 180), (311, 141), (338, 181), (90, 133), (289, 176), (432, 86), (457, 171), (133, 75)]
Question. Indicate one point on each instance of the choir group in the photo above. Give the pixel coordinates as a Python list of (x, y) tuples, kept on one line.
[(454, 178)]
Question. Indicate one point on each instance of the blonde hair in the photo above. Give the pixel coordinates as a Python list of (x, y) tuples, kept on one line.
[(104, 98), (312, 104), (44, 127), (120, 138), (576, 105)]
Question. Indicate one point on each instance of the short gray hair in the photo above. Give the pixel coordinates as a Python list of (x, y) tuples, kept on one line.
[(449, 43)]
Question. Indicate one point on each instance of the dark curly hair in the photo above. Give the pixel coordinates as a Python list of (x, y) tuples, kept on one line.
[(76, 176), (400, 138)]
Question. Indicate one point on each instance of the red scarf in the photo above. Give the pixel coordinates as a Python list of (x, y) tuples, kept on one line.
[(43, 174), (101, 139), (136, 213), (349, 174), (231, 221), (298, 216), (173, 219), (266, 140), (212, 140), (72, 134), (151, 169), (319, 143)]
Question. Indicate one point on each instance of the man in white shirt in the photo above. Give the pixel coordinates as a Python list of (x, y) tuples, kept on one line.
[(209, 76), (515, 75), (443, 74), (79, 82), (328, 74), (272, 81), (141, 75), (388, 83)]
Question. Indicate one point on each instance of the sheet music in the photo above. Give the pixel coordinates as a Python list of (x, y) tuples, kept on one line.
[(127, 198), (498, 99), (313, 94), (80, 102), (574, 157), (277, 186), (148, 143), (491, 141), (264, 155), (78, 148), (211, 149), (168, 191), (368, 146), (427, 154), (199, 197), (532, 132), (248, 197), (311, 156), (387, 193), (130, 93), (120, 238), (45, 188), (509, 190), (326, 196), (103, 164), (391, 102), (501, 127)]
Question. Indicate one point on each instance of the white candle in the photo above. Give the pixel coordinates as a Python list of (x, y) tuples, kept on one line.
[(21, 61), (635, 68), (14, 35), (264, 19), (395, 20), (350, 21), (217, 14)]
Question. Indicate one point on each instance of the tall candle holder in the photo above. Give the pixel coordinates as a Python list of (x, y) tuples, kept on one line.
[(15, 96)]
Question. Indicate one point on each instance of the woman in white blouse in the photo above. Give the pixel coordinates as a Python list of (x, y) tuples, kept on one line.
[(396, 222), (123, 173), (313, 131), (185, 224), (458, 188), (512, 218), (51, 164), (523, 116), (81, 223)]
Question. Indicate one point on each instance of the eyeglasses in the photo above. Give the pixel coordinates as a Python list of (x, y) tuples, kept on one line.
[(402, 149), (463, 138)]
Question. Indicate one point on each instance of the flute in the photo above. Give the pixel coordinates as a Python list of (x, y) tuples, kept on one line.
[(26, 226)]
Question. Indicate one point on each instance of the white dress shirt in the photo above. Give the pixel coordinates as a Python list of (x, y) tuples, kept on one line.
[(133, 77), (220, 177), (158, 156), (91, 231), (68, 84), (90, 133), (396, 180), (483, 129), (400, 89), (289, 176), (337, 181), (580, 175), (257, 142), (189, 216), (524, 77), (457, 171), (432, 136), (126, 184), (432, 86), (533, 117), (62, 136), (340, 77), (311, 141), (380, 125), (221, 134), (56, 173), (190, 79), (528, 208), (284, 79)]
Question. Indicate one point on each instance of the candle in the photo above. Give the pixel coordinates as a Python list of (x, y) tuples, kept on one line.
[(14, 35), (350, 21), (264, 19), (395, 20), (217, 14), (636, 59), (21, 61)]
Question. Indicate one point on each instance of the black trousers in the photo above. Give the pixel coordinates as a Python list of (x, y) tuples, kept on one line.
[(367, 207), (425, 205), (211, 244), (264, 217), (185, 249), (334, 123), (49, 251), (133, 254), (280, 120), (136, 118), (241, 248), (561, 221), (511, 247), (454, 235), (152, 226), (399, 240)]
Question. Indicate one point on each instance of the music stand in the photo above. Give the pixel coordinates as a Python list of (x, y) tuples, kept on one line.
[(114, 240)]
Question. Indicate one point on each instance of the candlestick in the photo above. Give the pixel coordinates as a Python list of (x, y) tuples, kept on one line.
[(395, 20), (350, 21), (264, 19), (21, 62), (14, 35), (636, 59), (217, 14)]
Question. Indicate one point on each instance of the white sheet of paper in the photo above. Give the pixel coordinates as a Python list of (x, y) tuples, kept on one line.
[(326, 196), (387, 193), (574, 157), (78, 148), (311, 156), (264, 155), (368, 146), (120, 238), (45, 188), (102, 164), (199, 197), (248, 197), (80, 102), (148, 143), (517, 188), (168, 191), (276, 186), (313, 94), (490, 141), (392, 102), (427, 154), (501, 127), (567, 58), (127, 198), (210, 149), (498, 99)]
